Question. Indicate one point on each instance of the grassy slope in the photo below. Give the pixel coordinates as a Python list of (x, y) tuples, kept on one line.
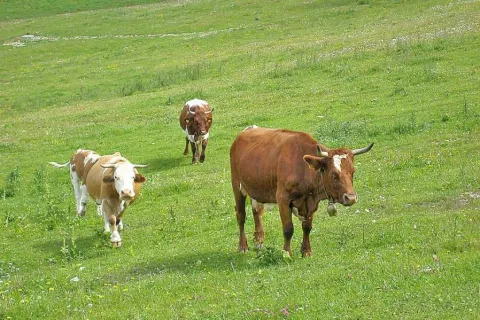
[(401, 74)]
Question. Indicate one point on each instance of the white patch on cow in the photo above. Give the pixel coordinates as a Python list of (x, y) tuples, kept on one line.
[(76, 188), (106, 223), (196, 102), (296, 214), (337, 161), (250, 127), (189, 136), (83, 200), (115, 237), (91, 157), (99, 210), (124, 179), (259, 206)]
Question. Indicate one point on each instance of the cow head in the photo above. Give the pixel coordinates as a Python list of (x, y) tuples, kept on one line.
[(198, 120), (336, 170), (124, 176)]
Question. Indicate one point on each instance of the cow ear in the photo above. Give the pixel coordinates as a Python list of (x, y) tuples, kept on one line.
[(139, 178), (108, 178), (314, 162)]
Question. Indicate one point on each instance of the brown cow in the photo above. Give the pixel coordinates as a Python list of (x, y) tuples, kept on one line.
[(113, 182), (294, 171), (195, 121)]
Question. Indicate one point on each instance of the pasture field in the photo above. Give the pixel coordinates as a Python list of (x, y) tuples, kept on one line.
[(113, 75)]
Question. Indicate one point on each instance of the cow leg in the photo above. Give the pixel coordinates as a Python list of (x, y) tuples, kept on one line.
[(194, 152), (110, 217), (83, 200), (99, 209), (76, 190), (185, 152), (287, 225), (307, 227), (204, 146), (257, 210), (241, 214), (106, 222)]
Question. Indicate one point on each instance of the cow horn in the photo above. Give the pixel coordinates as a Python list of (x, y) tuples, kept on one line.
[(321, 153), (363, 150), (190, 110), (108, 165), (140, 165)]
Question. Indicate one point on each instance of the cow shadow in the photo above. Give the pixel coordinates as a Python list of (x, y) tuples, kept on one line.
[(188, 263), (165, 164), (86, 247)]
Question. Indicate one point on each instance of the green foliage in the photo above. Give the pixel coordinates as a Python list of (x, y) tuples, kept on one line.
[(12, 184), (113, 76), (268, 256)]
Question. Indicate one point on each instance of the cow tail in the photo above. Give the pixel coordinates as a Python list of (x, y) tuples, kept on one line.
[(57, 165)]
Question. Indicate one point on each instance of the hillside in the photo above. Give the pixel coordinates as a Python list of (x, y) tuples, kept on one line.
[(114, 76)]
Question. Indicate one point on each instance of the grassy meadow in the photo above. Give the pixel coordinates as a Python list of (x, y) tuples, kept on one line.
[(113, 75)]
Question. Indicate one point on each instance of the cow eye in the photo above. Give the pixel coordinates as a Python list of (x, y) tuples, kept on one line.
[(117, 178)]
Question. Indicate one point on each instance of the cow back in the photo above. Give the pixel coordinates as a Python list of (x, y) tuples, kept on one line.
[(261, 159)]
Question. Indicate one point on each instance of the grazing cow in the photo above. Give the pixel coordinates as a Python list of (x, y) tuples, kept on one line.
[(195, 121), (294, 171), (113, 182)]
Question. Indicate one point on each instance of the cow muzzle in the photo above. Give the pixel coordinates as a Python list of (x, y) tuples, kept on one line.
[(349, 199), (126, 194)]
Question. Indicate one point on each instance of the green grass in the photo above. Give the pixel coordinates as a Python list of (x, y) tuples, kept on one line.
[(113, 76)]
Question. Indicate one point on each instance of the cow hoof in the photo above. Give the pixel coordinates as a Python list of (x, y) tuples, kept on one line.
[(202, 159), (258, 245), (243, 250), (117, 244), (306, 254)]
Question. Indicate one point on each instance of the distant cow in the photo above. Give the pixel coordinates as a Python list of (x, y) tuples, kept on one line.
[(195, 121), (112, 181), (294, 171)]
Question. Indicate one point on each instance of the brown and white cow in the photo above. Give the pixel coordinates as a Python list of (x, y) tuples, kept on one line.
[(114, 183), (294, 171), (80, 163), (195, 120)]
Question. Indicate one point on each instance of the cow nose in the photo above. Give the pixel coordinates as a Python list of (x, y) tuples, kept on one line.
[(349, 199), (203, 132), (126, 194)]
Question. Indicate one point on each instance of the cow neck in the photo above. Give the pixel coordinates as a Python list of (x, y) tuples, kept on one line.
[(330, 198)]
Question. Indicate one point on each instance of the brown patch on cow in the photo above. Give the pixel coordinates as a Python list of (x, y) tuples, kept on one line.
[(139, 178), (108, 178)]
